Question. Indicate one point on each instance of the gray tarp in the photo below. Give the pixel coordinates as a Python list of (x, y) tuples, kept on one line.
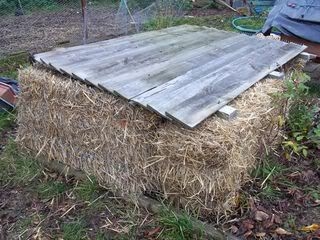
[(296, 18)]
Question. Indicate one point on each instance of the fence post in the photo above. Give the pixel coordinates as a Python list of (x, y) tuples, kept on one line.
[(84, 20)]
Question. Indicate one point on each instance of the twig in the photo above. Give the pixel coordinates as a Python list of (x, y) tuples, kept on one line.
[(228, 6)]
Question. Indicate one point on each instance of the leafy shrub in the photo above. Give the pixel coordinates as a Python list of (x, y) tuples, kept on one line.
[(302, 120)]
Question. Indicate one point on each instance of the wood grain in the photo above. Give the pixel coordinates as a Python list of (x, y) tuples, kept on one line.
[(185, 73)]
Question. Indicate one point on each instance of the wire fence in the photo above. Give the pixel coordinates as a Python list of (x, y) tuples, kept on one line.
[(40, 25)]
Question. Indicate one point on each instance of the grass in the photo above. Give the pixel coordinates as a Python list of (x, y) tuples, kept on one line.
[(314, 88), (73, 230), (52, 188), (88, 190), (179, 226), (268, 169), (6, 120), (269, 174), (291, 222), (219, 22), (9, 65), (17, 169)]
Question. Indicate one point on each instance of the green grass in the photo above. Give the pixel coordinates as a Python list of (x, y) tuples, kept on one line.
[(219, 22), (52, 188), (88, 190), (16, 168), (269, 192), (6, 120), (316, 163), (269, 168), (73, 230), (314, 88), (179, 226), (9, 65), (290, 223), (268, 173)]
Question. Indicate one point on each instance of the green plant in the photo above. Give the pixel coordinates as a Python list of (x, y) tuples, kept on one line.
[(11, 64), (16, 168), (6, 120), (73, 230), (302, 129), (88, 190), (52, 188), (179, 226)]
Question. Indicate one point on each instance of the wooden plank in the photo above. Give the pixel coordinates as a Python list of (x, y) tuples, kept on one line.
[(158, 56), (124, 61), (154, 97), (116, 42), (184, 73), (209, 98), (140, 79), (193, 98), (95, 52)]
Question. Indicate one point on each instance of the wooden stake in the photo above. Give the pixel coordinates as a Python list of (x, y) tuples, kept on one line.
[(84, 8)]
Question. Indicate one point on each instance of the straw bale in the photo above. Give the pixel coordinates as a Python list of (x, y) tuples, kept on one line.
[(133, 150), (85, 128), (206, 167)]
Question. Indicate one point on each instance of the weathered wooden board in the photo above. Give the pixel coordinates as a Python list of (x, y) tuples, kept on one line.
[(184, 73), (193, 98), (165, 68)]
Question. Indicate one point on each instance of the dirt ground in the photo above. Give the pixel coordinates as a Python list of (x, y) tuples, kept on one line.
[(44, 30)]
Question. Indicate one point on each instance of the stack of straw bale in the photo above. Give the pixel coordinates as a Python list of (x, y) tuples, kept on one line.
[(132, 150)]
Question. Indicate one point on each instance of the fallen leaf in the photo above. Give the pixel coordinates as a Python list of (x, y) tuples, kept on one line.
[(260, 234), (267, 224), (247, 234), (308, 175), (311, 228), (261, 216), (153, 231), (248, 224), (281, 231), (234, 229), (277, 219)]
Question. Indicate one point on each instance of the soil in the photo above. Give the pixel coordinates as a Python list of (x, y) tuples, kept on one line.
[(25, 214), (42, 31), (292, 204)]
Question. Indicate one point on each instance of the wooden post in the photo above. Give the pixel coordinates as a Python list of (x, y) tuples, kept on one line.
[(84, 20)]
